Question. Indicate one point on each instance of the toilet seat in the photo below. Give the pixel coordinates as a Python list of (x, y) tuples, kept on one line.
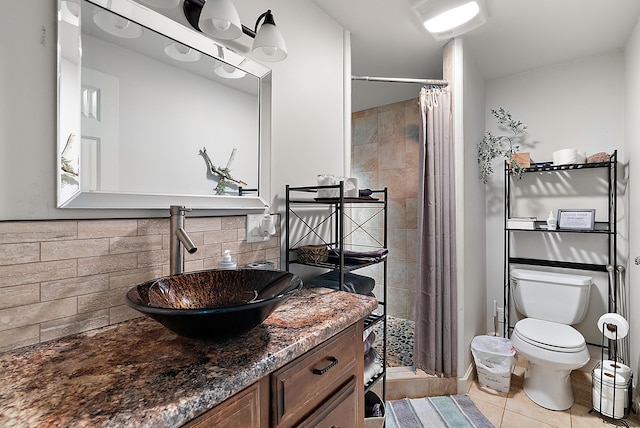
[(549, 335)]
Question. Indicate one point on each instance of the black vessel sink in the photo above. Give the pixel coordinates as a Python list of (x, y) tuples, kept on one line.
[(214, 304)]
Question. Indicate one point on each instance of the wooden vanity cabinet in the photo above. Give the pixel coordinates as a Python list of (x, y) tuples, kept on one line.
[(307, 388), (249, 408), (322, 388)]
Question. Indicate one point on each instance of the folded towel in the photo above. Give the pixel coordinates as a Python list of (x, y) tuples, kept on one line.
[(353, 283), (372, 365), (368, 342), (359, 256)]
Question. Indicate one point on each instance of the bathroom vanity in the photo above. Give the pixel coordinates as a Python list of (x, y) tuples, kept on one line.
[(302, 366)]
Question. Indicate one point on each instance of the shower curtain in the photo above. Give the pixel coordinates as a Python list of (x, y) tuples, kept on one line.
[(435, 304)]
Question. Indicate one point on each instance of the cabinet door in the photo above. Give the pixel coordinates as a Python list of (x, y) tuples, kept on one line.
[(305, 384), (340, 411), (247, 409)]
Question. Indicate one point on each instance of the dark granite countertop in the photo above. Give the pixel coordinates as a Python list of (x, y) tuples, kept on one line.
[(140, 374)]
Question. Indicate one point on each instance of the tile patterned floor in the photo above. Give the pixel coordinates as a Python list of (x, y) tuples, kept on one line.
[(515, 409), (512, 410)]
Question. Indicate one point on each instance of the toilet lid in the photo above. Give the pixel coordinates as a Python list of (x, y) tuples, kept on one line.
[(550, 335)]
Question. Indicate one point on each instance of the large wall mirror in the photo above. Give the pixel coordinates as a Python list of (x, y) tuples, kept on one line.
[(152, 113)]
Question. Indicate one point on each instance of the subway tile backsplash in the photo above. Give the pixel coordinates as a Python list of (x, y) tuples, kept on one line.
[(58, 278)]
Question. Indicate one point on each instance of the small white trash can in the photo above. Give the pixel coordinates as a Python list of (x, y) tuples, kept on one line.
[(494, 358)]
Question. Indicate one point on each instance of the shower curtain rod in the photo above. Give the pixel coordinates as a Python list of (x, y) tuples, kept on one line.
[(402, 80)]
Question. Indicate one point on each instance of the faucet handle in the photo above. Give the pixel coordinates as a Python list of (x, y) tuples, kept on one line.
[(178, 209)]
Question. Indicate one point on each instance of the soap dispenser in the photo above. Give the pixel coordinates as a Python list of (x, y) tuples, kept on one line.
[(551, 221), (226, 262)]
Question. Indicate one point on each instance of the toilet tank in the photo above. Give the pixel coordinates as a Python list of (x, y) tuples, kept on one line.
[(557, 297)]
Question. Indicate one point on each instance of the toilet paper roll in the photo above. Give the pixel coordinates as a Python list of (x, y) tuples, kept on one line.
[(611, 323), (617, 368), (565, 156), (609, 378), (605, 402)]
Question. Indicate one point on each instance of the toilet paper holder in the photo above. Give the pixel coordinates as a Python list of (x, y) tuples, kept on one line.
[(611, 389)]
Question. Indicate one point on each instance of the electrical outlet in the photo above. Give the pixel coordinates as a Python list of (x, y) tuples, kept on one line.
[(500, 315), (254, 231)]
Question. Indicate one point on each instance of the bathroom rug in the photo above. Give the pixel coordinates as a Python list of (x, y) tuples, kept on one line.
[(448, 411)]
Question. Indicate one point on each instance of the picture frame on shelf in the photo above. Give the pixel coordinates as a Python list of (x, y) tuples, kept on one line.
[(576, 219)]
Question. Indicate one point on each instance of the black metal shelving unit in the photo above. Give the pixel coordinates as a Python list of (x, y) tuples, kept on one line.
[(607, 229), (335, 226)]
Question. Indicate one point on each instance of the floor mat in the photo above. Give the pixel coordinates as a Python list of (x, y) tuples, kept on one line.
[(449, 411)]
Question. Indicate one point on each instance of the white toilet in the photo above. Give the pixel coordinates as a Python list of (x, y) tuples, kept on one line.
[(552, 302)]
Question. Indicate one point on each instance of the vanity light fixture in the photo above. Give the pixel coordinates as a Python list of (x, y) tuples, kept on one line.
[(180, 52), (220, 19), (445, 19), (217, 18), (117, 25), (268, 44)]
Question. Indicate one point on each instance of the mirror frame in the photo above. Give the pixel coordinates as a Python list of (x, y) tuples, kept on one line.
[(254, 202)]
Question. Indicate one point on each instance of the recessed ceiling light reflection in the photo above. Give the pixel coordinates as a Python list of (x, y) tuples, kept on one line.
[(117, 25), (180, 52), (229, 72)]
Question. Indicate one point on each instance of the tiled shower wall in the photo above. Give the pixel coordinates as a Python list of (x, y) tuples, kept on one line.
[(59, 278), (385, 153)]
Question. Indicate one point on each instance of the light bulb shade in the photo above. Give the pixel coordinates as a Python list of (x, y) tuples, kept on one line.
[(180, 52), (269, 44), (229, 71), (70, 12), (220, 19), (117, 25)]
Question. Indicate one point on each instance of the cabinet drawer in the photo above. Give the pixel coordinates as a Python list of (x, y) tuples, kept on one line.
[(340, 411), (302, 385)]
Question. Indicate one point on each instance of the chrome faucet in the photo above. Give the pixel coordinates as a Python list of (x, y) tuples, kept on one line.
[(177, 238)]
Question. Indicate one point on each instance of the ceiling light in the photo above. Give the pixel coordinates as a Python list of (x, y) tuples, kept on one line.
[(117, 25), (452, 18), (220, 19), (180, 52), (445, 19), (269, 43)]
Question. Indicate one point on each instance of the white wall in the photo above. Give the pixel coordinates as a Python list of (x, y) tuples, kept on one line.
[(468, 86), (309, 86), (632, 149), (308, 110), (577, 104)]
